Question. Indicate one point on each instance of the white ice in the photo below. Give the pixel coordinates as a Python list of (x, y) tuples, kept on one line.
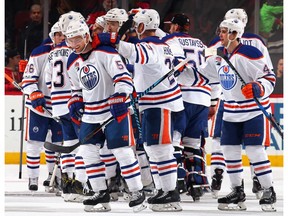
[(19, 201)]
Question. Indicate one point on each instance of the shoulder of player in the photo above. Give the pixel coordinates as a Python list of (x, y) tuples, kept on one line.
[(71, 59), (249, 52), (41, 50), (253, 36), (106, 49), (214, 41)]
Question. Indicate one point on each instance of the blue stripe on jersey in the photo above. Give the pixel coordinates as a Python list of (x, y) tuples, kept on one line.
[(71, 59), (120, 75), (161, 102), (146, 54), (61, 92), (137, 56), (97, 102), (40, 50), (195, 90)]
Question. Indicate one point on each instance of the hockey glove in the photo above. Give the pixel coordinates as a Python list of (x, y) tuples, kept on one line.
[(180, 70), (253, 89), (22, 65), (76, 109), (105, 39), (38, 101), (118, 107)]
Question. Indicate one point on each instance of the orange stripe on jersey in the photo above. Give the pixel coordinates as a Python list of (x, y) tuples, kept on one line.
[(60, 97), (161, 97), (142, 55), (244, 106), (108, 160), (267, 133), (272, 79), (131, 136), (167, 167), (29, 81), (123, 78), (166, 135), (95, 170), (234, 166), (79, 163), (68, 160), (96, 108), (214, 119), (262, 168), (131, 170)]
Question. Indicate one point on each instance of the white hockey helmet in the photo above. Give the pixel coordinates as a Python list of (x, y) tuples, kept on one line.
[(149, 17), (66, 18), (233, 25), (100, 21), (116, 14), (237, 13), (77, 28), (55, 28)]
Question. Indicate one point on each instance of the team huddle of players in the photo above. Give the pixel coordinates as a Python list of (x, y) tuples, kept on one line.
[(155, 143)]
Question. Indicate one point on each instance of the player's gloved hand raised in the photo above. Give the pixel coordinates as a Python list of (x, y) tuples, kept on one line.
[(76, 108), (253, 89), (105, 39), (38, 101), (118, 107)]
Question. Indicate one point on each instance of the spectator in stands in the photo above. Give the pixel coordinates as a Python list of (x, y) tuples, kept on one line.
[(279, 78), (12, 58), (59, 7), (32, 35)]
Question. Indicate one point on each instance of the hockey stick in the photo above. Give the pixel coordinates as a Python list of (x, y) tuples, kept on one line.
[(57, 119), (68, 149), (269, 116), (54, 170)]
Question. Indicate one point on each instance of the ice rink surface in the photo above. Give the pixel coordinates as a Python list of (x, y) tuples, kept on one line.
[(18, 201)]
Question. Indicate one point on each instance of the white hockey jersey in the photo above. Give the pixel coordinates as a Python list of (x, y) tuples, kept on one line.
[(195, 87), (251, 65), (96, 76), (57, 79), (251, 40), (34, 76), (152, 59)]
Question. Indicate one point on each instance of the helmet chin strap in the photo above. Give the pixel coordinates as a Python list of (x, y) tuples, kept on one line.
[(230, 41)]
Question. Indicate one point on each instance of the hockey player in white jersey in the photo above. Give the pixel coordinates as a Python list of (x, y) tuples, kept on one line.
[(152, 59), (217, 159), (101, 83), (198, 94), (74, 180), (243, 121), (38, 120)]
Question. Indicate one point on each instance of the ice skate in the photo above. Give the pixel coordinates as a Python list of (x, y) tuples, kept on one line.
[(257, 188), (157, 194), (46, 184), (181, 186), (33, 184), (237, 196), (267, 200), (79, 192), (216, 182), (167, 202), (149, 190), (99, 202), (137, 200)]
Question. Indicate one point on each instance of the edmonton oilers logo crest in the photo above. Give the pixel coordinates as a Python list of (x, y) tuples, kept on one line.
[(227, 77), (89, 76)]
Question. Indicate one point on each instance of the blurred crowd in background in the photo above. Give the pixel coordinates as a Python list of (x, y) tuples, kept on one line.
[(24, 21)]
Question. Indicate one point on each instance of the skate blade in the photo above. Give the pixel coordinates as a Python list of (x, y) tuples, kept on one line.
[(268, 208), (101, 207), (225, 207), (139, 208), (168, 207)]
